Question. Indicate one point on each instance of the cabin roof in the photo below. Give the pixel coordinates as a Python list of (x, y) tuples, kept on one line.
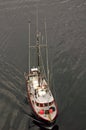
[(44, 97)]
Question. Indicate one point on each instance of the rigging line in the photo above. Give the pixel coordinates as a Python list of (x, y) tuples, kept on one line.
[(42, 60), (43, 65), (46, 51)]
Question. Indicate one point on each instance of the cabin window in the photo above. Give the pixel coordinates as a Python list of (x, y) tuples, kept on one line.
[(50, 103), (41, 104), (46, 104), (32, 101), (37, 104)]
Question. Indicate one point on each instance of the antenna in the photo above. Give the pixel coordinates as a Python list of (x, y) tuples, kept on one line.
[(46, 51), (37, 19), (29, 47)]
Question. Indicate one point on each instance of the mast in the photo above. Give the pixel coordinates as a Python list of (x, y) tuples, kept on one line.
[(29, 48), (37, 40)]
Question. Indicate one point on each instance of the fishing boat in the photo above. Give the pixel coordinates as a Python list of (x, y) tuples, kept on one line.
[(39, 94)]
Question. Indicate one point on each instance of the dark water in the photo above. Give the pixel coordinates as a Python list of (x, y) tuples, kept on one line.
[(66, 27)]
